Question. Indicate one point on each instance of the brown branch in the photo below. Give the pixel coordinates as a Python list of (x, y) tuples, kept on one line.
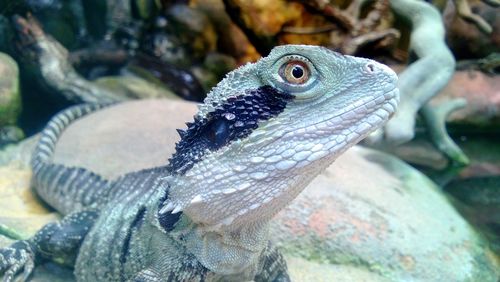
[(96, 56), (435, 119), (263, 44), (383, 38), (50, 60), (333, 13), (374, 17), (308, 29), (464, 11)]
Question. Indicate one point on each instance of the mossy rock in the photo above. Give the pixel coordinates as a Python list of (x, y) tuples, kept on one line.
[(10, 97), (132, 87)]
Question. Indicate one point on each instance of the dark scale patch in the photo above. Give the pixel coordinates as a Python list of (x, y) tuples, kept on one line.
[(136, 224), (167, 220), (61, 241), (233, 120), (189, 269)]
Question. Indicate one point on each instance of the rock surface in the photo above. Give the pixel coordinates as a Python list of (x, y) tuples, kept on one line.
[(22, 213), (143, 137), (368, 217), (482, 93), (10, 99), (480, 198), (372, 211), (132, 87)]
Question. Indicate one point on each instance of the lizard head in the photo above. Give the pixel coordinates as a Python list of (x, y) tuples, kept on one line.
[(267, 129)]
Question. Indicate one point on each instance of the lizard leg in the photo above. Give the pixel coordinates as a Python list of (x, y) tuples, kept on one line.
[(18, 256), (273, 266), (58, 241)]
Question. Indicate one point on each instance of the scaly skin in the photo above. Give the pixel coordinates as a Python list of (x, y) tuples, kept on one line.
[(262, 134)]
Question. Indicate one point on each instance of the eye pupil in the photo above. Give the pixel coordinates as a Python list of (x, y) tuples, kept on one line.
[(297, 71)]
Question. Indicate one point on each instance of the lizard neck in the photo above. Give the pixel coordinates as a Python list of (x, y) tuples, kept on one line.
[(227, 251), (224, 249)]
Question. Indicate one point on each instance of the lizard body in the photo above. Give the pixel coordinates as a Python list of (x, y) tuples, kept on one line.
[(261, 135)]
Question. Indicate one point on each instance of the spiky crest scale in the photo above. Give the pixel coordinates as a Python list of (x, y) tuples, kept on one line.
[(233, 120)]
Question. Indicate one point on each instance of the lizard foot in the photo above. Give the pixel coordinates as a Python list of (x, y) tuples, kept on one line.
[(18, 256)]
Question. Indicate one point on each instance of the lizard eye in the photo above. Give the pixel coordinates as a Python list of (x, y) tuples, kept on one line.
[(295, 72)]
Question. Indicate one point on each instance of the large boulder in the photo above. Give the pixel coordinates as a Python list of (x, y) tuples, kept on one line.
[(372, 211), (368, 217), (482, 92)]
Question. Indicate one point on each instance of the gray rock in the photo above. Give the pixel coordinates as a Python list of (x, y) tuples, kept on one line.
[(368, 217), (124, 138)]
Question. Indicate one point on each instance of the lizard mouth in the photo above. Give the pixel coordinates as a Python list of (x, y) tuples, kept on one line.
[(365, 106), (368, 106)]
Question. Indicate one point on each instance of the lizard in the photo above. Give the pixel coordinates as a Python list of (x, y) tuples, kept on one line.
[(261, 135)]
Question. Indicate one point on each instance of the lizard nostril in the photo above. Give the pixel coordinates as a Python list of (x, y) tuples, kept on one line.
[(370, 67)]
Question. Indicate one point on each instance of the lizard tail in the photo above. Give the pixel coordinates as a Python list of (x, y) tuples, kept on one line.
[(65, 188)]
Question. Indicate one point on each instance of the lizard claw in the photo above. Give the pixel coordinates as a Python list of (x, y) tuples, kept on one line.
[(18, 256)]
